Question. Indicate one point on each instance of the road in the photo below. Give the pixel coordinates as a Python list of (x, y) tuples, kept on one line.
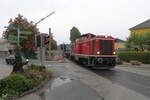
[(136, 82), (131, 81)]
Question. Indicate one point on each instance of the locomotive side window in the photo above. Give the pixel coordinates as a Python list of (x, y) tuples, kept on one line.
[(84, 38)]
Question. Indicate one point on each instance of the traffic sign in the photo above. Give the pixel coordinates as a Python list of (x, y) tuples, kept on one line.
[(12, 39), (24, 37), (26, 32), (13, 28)]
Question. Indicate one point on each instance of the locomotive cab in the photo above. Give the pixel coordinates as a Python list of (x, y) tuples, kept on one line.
[(105, 51)]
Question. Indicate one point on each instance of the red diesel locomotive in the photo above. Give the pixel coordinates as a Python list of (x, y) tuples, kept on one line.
[(95, 51)]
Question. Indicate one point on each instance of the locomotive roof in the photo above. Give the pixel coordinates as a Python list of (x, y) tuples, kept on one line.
[(87, 35)]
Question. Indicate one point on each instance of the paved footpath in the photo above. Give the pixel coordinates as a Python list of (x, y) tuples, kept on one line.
[(64, 86)]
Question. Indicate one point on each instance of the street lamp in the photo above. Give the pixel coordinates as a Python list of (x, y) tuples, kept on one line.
[(41, 48)]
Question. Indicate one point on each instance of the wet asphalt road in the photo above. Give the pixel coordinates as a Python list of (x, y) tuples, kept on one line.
[(133, 81)]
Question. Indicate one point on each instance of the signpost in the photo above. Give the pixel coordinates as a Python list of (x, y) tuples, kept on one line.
[(26, 32), (15, 39), (12, 39), (13, 28), (16, 29)]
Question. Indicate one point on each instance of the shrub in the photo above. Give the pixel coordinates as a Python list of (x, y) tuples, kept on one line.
[(37, 73), (14, 85), (127, 56), (133, 62), (39, 76), (35, 67)]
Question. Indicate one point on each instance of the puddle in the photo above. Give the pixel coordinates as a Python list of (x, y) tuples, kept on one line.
[(54, 84), (60, 81)]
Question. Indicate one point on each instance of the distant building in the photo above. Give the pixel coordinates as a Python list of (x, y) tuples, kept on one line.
[(119, 44), (4, 47), (141, 28)]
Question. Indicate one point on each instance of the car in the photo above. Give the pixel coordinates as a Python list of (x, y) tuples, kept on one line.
[(11, 58)]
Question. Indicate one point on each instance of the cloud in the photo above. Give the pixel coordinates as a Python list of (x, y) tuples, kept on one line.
[(106, 17)]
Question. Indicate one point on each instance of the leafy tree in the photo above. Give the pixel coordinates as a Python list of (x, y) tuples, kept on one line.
[(74, 34), (53, 43), (28, 45), (18, 64), (138, 40)]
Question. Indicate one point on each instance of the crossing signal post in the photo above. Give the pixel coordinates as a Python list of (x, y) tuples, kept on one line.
[(46, 40), (41, 42), (38, 40)]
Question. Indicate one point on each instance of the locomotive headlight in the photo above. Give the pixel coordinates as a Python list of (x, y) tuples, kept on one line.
[(98, 52), (114, 53), (27, 59)]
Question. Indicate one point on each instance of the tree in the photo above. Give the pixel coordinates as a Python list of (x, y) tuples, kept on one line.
[(138, 40), (53, 43), (28, 45), (18, 64), (74, 34)]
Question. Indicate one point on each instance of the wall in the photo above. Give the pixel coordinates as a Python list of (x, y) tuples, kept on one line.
[(119, 45), (140, 31)]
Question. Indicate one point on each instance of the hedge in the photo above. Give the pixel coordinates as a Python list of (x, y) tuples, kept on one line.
[(127, 56)]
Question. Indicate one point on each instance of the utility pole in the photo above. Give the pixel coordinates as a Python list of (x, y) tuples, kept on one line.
[(50, 41), (41, 50)]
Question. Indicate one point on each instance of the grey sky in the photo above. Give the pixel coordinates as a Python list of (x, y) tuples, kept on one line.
[(106, 17)]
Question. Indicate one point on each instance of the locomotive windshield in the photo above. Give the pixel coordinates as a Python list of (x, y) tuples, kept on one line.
[(106, 46)]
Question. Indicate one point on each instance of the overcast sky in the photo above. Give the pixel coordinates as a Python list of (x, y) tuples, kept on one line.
[(103, 17)]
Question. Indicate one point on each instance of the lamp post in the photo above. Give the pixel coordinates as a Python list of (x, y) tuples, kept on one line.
[(18, 35), (41, 48)]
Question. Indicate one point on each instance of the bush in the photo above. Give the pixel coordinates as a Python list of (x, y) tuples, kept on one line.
[(14, 85), (39, 76), (127, 56), (37, 73), (133, 62), (35, 67)]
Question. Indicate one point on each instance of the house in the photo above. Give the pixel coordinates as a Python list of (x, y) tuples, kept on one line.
[(119, 44), (141, 28)]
